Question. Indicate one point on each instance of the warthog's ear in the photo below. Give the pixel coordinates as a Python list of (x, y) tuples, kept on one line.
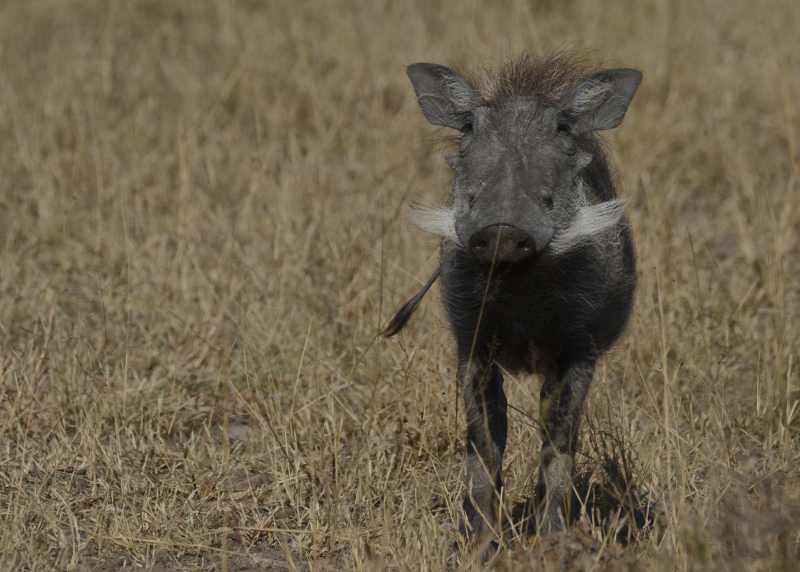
[(600, 102), (446, 98)]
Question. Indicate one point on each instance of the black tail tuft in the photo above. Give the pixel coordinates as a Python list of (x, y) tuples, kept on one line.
[(404, 314)]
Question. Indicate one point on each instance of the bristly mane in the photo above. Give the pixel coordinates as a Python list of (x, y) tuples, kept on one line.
[(550, 78)]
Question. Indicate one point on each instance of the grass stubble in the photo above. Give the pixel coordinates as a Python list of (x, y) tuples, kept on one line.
[(201, 236)]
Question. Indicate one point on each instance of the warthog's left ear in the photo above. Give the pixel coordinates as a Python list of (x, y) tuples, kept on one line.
[(446, 98), (600, 101)]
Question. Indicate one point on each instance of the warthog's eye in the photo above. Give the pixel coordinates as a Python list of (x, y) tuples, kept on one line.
[(564, 140), (564, 123), (563, 128), (547, 199)]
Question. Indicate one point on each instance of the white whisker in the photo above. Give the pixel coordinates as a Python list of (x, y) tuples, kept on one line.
[(588, 223), (439, 221)]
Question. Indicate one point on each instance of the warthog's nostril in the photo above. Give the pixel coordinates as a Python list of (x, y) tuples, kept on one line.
[(501, 243)]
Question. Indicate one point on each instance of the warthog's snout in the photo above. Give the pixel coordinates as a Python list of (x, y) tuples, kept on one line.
[(502, 243)]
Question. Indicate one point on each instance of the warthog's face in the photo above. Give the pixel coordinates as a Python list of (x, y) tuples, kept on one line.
[(515, 180), (517, 185)]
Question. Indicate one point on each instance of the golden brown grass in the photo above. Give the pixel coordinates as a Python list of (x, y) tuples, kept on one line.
[(201, 236)]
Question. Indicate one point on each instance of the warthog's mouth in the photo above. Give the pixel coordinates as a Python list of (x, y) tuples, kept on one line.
[(588, 223)]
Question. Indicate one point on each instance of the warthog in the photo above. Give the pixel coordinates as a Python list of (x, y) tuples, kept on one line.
[(537, 262)]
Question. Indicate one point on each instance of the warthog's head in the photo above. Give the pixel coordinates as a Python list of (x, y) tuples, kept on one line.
[(523, 154)]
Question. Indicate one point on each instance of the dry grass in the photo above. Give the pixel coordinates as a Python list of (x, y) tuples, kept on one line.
[(201, 235)]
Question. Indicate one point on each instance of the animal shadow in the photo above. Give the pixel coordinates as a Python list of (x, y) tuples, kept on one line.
[(606, 493)]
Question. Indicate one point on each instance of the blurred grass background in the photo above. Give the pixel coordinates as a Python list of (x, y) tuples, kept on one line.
[(201, 234)]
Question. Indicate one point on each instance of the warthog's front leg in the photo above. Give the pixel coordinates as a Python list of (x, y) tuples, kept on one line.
[(485, 407), (561, 407)]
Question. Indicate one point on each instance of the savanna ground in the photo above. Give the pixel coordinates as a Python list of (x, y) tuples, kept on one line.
[(202, 233)]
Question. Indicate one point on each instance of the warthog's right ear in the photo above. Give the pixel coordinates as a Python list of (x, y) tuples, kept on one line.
[(600, 101), (446, 98)]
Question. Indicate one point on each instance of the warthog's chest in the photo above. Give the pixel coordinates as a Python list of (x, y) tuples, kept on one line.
[(524, 343)]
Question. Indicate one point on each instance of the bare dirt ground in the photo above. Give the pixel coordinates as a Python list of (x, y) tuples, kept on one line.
[(202, 233)]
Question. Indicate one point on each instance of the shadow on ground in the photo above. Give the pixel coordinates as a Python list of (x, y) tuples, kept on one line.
[(610, 510)]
